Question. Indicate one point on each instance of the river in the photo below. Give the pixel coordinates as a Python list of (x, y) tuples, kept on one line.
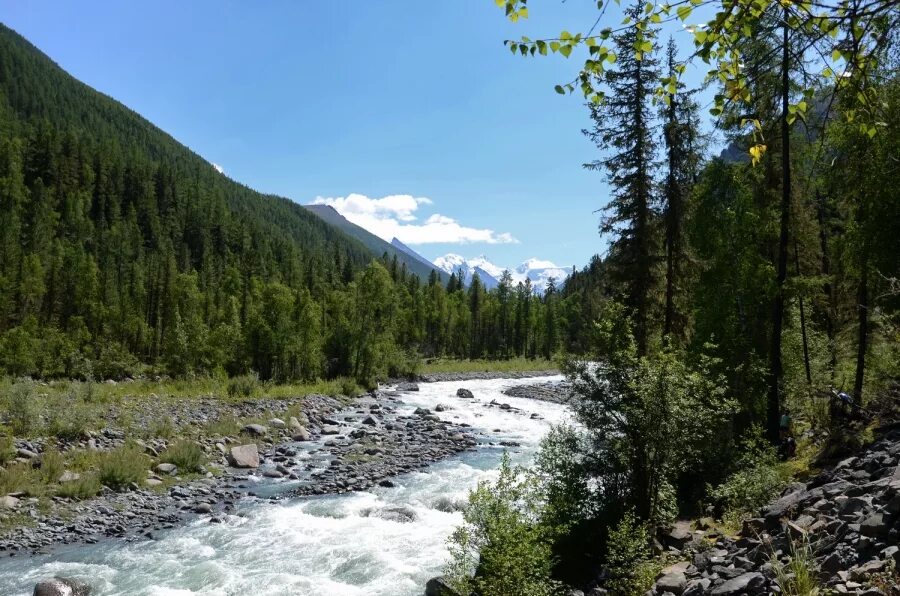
[(327, 545)]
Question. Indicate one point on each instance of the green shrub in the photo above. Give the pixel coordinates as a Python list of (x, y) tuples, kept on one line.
[(87, 486), (225, 426), (52, 466), (186, 455), (504, 548), (632, 570), (244, 386), (163, 428), (23, 408), (349, 387), (123, 466), (756, 481), (68, 417), (17, 477), (7, 448)]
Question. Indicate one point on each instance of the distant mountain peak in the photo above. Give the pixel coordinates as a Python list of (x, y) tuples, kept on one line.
[(538, 271)]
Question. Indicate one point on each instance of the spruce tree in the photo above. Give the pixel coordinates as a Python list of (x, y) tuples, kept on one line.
[(624, 127)]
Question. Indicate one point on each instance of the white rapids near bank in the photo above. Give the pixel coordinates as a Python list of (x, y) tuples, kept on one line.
[(328, 546)]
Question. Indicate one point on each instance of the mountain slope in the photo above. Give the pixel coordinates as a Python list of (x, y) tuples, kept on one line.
[(375, 244), (120, 245)]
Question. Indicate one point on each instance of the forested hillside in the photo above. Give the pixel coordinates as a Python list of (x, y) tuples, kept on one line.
[(121, 251)]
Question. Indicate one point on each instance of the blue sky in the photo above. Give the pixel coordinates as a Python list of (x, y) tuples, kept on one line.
[(417, 101)]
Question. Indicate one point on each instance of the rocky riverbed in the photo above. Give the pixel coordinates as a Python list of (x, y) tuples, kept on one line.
[(326, 449), (849, 516)]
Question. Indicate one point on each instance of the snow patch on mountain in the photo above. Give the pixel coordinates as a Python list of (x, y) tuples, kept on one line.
[(539, 271)]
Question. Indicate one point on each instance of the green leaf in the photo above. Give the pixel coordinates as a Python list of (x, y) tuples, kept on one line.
[(684, 12), (565, 50), (559, 89)]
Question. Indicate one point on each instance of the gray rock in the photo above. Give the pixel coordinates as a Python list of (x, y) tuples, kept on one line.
[(166, 468), (408, 387), (294, 424), (464, 393), (397, 513), (9, 502), (750, 583), (370, 420), (255, 430), (674, 582), (277, 423), (874, 526), (244, 456), (437, 586), (301, 434), (68, 476), (26, 453), (61, 586)]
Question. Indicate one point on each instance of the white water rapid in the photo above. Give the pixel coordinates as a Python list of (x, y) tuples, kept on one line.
[(314, 545)]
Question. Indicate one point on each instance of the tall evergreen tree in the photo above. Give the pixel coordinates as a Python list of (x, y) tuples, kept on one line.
[(623, 126)]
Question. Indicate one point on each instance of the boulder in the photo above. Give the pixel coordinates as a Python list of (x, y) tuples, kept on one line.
[(408, 387), (244, 456), (61, 586), (397, 513), (294, 424), (277, 423), (437, 586), (464, 393), (747, 583), (674, 582), (68, 476), (255, 430), (370, 420), (8, 502), (874, 526), (301, 434), (166, 468)]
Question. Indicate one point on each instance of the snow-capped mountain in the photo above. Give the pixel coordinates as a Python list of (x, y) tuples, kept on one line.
[(537, 270), (487, 272)]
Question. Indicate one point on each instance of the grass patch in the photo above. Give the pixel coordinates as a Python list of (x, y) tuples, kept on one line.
[(463, 366), (87, 486), (187, 456), (121, 467), (797, 577)]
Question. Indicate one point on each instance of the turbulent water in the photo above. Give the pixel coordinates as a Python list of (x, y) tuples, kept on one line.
[(316, 546)]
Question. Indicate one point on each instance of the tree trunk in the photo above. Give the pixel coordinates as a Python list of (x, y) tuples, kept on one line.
[(826, 287), (773, 409), (862, 309), (802, 316)]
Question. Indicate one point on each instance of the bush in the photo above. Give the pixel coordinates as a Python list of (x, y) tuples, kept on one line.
[(753, 485), (186, 455), (123, 466), (504, 540), (23, 409), (244, 386), (52, 466), (7, 448), (632, 570), (87, 486), (68, 417), (17, 477)]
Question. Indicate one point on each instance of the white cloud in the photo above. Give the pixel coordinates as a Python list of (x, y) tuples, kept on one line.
[(217, 168), (395, 216)]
